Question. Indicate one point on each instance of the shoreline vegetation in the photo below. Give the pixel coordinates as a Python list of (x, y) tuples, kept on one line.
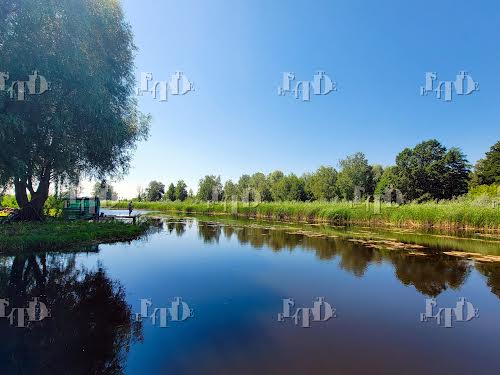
[(429, 186), (446, 215), (56, 234)]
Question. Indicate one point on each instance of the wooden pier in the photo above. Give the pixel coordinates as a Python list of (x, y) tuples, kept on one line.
[(132, 218)]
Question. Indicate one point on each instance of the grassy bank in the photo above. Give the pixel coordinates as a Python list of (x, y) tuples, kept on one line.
[(56, 234), (445, 215)]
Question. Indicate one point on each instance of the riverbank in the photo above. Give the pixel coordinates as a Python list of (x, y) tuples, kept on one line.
[(58, 234), (444, 215)]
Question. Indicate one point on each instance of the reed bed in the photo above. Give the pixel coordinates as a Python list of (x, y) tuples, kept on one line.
[(444, 214)]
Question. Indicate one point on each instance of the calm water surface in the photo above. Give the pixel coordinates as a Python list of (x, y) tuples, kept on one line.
[(235, 278)]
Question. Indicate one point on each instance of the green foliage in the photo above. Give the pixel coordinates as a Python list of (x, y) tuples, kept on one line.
[(355, 172), (244, 185), (456, 174), (54, 206), (321, 185), (387, 179), (425, 173), (491, 191), (280, 189), (210, 188), (261, 187), (296, 188), (88, 122), (377, 173), (231, 190), (429, 170), (445, 214), (155, 191), (275, 179), (180, 191), (170, 195), (56, 234), (9, 201), (289, 188), (487, 170)]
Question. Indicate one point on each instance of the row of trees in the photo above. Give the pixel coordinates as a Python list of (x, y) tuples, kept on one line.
[(427, 171), (156, 192)]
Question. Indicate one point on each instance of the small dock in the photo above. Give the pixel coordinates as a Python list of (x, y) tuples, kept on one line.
[(127, 218)]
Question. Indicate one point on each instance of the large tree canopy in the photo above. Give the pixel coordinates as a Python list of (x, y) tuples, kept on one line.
[(355, 173), (155, 191), (210, 188), (87, 124), (181, 190), (170, 194), (321, 185), (429, 171), (487, 170)]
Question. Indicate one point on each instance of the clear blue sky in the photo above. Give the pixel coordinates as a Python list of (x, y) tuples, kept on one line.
[(376, 51)]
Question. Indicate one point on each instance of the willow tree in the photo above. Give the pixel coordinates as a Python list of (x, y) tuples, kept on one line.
[(87, 122)]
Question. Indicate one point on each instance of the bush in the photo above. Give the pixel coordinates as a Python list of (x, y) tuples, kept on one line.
[(53, 206), (492, 191), (9, 201)]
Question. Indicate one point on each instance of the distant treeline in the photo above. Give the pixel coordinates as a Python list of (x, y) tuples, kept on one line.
[(429, 171)]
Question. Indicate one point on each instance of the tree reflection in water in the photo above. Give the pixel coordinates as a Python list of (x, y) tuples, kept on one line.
[(430, 274), (492, 273), (90, 329), (178, 226), (209, 232)]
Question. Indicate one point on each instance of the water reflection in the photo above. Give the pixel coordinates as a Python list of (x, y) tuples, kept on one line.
[(229, 275), (178, 226), (90, 329), (431, 273), (492, 274)]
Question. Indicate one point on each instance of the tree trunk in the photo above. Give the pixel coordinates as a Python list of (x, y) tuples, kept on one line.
[(31, 210)]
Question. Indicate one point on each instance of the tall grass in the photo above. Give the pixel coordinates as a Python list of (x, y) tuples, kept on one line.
[(445, 214)]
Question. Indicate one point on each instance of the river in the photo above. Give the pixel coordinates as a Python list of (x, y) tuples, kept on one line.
[(256, 298)]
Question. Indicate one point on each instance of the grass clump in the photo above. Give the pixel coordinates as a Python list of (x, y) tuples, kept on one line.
[(58, 234)]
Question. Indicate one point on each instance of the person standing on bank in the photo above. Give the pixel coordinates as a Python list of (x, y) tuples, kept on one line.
[(130, 208)]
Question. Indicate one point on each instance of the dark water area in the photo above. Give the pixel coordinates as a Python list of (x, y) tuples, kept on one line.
[(233, 280)]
